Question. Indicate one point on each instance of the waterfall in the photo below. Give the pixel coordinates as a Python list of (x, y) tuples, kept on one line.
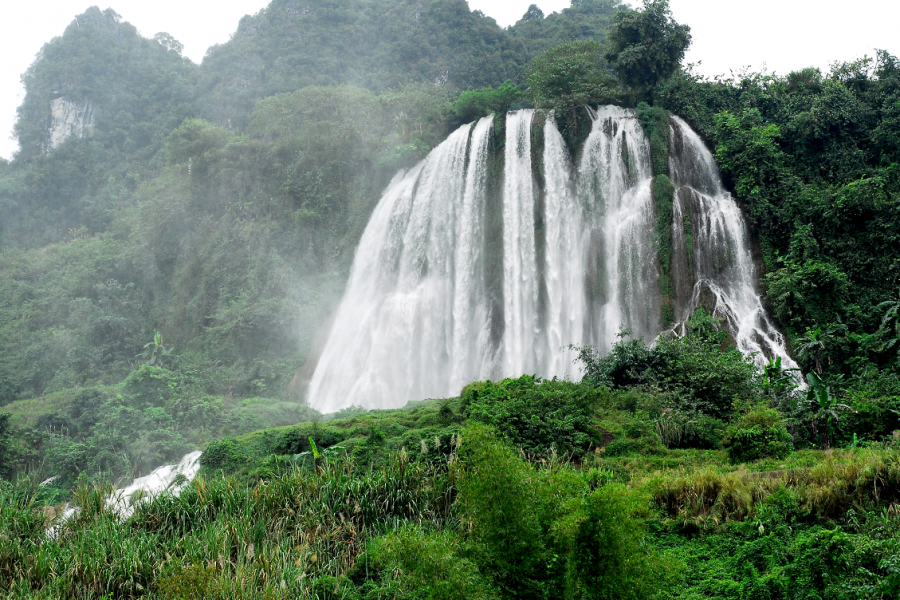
[(723, 268), (165, 479), (563, 255), (614, 184), (520, 285), (496, 252)]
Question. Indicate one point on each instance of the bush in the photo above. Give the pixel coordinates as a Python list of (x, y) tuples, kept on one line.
[(542, 533), (567, 78), (537, 416), (224, 454), (685, 430), (416, 565), (760, 433), (605, 555), (474, 104), (700, 372)]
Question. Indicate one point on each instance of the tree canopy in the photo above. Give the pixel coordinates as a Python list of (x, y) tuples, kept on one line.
[(646, 46)]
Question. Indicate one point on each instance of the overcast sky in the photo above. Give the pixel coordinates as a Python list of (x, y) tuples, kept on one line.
[(784, 35)]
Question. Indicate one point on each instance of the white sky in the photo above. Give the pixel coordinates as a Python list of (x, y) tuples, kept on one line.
[(784, 35)]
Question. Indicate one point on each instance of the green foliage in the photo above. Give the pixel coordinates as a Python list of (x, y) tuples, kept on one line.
[(415, 564), (812, 292), (758, 433), (700, 371), (605, 554), (646, 46), (223, 454), (5, 458), (474, 104), (567, 78), (591, 540), (379, 45), (155, 352), (775, 556), (655, 122), (507, 506), (663, 191), (824, 407), (534, 415), (747, 152), (677, 429), (470, 517)]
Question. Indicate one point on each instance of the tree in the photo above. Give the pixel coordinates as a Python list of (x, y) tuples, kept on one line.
[(567, 78), (533, 12), (168, 42), (569, 75), (646, 46)]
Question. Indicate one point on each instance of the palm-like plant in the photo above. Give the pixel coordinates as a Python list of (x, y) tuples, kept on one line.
[(890, 320), (155, 352), (778, 381), (824, 405), (813, 348)]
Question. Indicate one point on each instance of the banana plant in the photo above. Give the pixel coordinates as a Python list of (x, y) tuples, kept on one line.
[(824, 405), (155, 352), (891, 318), (777, 381)]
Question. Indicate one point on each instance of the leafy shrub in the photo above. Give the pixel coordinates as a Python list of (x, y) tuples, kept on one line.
[(822, 560), (689, 430), (700, 372), (544, 533), (192, 581), (411, 564), (474, 104), (635, 437), (605, 554), (760, 433), (808, 292), (226, 454), (296, 439), (537, 415)]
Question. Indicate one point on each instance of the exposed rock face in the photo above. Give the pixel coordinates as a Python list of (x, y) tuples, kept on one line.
[(68, 118)]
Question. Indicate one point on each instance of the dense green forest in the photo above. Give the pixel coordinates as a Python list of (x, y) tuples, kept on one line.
[(166, 278), (219, 204)]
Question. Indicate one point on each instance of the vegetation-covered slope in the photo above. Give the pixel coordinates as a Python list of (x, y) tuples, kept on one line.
[(162, 280), (259, 208), (518, 489)]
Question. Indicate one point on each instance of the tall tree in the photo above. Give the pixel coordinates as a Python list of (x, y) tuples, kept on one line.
[(646, 46)]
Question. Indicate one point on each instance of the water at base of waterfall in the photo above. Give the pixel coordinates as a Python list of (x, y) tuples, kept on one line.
[(167, 478)]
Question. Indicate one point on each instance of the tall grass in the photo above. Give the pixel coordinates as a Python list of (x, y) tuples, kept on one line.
[(279, 538), (846, 479)]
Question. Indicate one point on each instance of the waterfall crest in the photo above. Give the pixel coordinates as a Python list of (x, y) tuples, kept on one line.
[(485, 262)]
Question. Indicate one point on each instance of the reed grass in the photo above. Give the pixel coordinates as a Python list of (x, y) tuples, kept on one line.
[(858, 479)]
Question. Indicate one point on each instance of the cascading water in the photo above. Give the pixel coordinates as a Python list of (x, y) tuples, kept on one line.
[(614, 180), (720, 264), (461, 275), (520, 270), (165, 479)]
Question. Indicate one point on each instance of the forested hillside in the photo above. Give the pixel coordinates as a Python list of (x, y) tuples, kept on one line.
[(220, 204), (174, 239)]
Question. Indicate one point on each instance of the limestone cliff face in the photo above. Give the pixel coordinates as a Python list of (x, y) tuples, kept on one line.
[(67, 119)]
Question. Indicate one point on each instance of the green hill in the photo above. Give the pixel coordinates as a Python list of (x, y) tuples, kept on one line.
[(174, 239)]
